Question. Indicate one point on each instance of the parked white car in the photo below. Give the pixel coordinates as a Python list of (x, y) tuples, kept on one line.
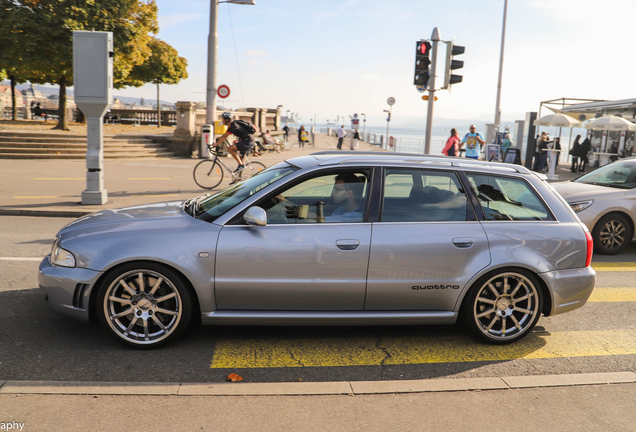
[(605, 201)]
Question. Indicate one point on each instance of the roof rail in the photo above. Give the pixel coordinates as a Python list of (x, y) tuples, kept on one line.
[(455, 161)]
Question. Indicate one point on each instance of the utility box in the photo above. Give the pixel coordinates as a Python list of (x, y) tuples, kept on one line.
[(93, 92), (93, 70)]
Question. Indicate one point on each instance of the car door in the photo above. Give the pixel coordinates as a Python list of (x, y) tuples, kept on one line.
[(305, 258), (427, 245)]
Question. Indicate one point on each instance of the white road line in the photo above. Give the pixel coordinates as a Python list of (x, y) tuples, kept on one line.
[(20, 259)]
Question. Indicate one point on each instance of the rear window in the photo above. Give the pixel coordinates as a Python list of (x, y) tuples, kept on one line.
[(504, 198)]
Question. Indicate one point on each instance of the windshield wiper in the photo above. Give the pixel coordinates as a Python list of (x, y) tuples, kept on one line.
[(612, 185)]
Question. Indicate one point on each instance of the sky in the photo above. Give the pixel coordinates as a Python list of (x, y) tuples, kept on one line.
[(330, 58)]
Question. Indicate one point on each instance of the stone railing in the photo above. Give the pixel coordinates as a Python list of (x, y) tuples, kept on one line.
[(144, 117), (190, 120)]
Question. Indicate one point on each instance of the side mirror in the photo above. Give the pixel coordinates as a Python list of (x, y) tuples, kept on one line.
[(255, 216)]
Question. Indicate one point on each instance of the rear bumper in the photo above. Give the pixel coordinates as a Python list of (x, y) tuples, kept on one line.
[(570, 289), (67, 289)]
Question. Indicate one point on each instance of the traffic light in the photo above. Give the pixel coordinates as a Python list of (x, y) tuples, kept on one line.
[(451, 64), (422, 62)]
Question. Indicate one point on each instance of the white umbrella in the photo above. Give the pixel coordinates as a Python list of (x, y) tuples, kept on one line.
[(557, 120), (611, 123)]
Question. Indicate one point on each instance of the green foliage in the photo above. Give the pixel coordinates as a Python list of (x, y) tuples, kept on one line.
[(164, 66)]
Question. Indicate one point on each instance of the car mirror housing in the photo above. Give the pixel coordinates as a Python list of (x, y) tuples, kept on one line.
[(255, 216)]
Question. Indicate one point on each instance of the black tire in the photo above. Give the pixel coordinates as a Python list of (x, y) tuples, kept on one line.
[(611, 234), (251, 168), (208, 174), (144, 304), (503, 306)]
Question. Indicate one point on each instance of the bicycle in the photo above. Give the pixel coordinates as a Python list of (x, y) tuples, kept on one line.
[(208, 173)]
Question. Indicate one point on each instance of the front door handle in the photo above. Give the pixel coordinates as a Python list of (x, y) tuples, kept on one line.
[(463, 242), (347, 244)]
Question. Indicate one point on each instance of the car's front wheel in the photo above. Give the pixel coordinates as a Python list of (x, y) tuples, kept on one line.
[(503, 307), (611, 234), (144, 305)]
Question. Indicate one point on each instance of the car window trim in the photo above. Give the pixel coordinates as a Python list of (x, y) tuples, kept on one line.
[(234, 221), (470, 213), (534, 189)]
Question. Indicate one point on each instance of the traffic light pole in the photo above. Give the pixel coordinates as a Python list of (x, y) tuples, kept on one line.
[(435, 38)]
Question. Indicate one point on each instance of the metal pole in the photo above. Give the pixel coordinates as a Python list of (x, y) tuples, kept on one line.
[(435, 38), (501, 58), (388, 121), (210, 98)]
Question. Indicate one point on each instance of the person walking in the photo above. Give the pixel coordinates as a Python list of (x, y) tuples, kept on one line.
[(505, 146), (341, 135), (452, 144), (354, 142), (537, 151), (586, 146), (575, 152), (303, 137), (543, 152), (473, 141), (286, 135)]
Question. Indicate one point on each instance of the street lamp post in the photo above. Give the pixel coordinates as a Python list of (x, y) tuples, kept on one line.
[(210, 99), (501, 58), (364, 122)]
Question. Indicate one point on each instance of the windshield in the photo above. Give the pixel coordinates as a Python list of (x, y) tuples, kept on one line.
[(620, 175), (215, 205)]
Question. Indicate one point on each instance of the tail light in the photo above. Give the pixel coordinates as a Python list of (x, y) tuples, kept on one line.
[(590, 248)]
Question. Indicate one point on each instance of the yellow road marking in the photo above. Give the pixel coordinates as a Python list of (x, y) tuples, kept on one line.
[(614, 266), (58, 178), (416, 350), (613, 295), (35, 197), (150, 178)]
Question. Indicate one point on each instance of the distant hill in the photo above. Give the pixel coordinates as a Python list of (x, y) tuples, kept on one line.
[(55, 90)]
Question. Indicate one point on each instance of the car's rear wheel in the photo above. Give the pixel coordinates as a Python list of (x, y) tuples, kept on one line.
[(611, 234), (144, 304), (503, 307)]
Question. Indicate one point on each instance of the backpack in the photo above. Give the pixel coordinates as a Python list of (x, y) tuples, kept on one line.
[(246, 126)]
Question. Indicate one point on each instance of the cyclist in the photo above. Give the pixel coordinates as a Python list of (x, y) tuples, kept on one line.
[(245, 143)]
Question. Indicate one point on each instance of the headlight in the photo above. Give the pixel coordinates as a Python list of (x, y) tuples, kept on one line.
[(61, 257), (581, 205)]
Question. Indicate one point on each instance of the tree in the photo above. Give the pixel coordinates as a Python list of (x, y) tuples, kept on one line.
[(164, 66), (46, 37), (142, 102)]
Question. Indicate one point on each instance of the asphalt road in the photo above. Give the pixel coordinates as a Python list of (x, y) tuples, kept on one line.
[(36, 344)]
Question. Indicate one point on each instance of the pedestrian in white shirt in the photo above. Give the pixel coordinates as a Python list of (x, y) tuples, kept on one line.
[(341, 135)]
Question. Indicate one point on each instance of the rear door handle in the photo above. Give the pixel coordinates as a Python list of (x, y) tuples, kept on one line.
[(348, 244), (463, 242)]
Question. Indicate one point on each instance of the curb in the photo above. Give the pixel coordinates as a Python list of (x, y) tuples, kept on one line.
[(311, 388), (44, 213)]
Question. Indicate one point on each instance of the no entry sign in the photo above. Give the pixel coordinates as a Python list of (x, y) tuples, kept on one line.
[(223, 91)]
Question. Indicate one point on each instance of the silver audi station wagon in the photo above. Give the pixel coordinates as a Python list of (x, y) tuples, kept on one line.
[(332, 238)]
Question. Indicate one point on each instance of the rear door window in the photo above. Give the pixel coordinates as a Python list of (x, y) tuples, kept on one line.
[(423, 196)]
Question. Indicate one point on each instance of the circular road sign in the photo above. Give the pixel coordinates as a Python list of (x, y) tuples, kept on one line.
[(223, 91), (355, 116), (390, 100), (421, 89)]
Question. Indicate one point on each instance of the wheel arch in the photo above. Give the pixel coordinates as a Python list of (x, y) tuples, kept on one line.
[(92, 303), (547, 296), (622, 213)]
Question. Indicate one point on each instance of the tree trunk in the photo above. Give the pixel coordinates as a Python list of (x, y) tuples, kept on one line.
[(81, 118), (61, 111), (158, 108), (14, 110)]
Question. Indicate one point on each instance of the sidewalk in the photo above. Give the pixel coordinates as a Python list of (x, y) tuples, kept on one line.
[(54, 188)]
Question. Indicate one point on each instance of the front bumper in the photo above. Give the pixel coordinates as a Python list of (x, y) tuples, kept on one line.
[(570, 289), (67, 289)]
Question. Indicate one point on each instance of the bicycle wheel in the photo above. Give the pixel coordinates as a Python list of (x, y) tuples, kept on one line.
[(208, 174), (251, 168)]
